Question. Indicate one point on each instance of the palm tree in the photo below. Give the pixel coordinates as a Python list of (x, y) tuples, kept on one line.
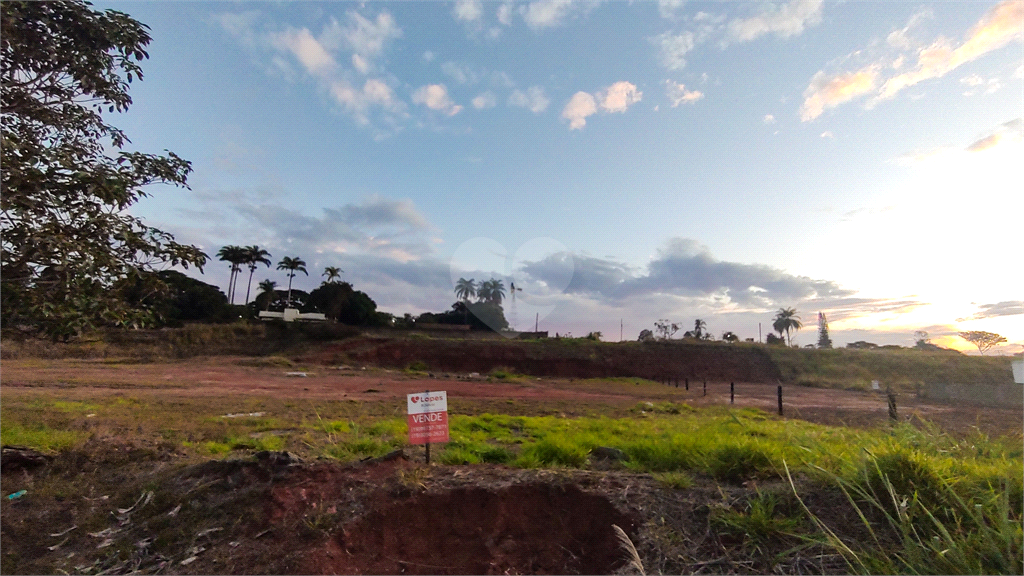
[(268, 286), (235, 255), (254, 256), (292, 265), (465, 289), (699, 326), (491, 291), (332, 272), (786, 320)]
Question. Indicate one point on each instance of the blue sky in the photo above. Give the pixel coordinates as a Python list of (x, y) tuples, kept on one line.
[(618, 160)]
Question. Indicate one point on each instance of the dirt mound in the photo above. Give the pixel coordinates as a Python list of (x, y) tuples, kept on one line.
[(523, 529), (570, 359)]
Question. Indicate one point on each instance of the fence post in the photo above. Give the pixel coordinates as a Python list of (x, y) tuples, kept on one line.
[(705, 387), (732, 392), (892, 406), (687, 380), (780, 399)]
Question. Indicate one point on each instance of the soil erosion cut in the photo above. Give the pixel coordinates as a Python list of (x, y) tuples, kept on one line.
[(520, 529)]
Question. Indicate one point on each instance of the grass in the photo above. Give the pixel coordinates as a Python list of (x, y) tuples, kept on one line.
[(924, 501)]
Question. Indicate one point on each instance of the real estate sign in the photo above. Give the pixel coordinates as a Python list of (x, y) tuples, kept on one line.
[(428, 417)]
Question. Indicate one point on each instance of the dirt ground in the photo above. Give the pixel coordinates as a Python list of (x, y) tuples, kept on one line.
[(126, 509), (220, 377)]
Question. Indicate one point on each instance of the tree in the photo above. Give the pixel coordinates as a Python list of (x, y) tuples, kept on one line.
[(465, 289), (339, 302), (234, 255), (67, 243), (292, 265), (665, 329), (786, 320), (646, 336), (823, 339), (254, 256), (267, 287), (491, 291), (983, 340), (730, 337), (332, 272), (699, 326)]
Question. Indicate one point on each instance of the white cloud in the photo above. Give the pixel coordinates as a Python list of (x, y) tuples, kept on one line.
[(673, 49), (618, 97), (678, 94), (484, 100), (358, 101), (826, 91), (668, 8), (428, 56), (467, 10), (306, 49), (997, 28), (435, 97), (360, 63), (505, 14), (533, 99), (545, 13), (827, 134), (972, 80), (579, 107), (361, 35), (769, 119), (459, 73), (784, 21)]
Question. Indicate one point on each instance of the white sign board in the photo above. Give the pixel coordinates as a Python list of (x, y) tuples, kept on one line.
[(423, 402)]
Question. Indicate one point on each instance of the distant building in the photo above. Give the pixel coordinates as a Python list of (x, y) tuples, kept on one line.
[(293, 315), (1018, 371)]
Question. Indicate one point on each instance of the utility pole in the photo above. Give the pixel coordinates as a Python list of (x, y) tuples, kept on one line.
[(620, 329), (758, 332), (536, 322)]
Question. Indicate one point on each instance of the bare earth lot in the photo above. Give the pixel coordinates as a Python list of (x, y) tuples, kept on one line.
[(128, 506), (229, 377)]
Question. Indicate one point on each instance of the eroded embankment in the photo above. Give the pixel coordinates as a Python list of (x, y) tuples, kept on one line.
[(569, 359)]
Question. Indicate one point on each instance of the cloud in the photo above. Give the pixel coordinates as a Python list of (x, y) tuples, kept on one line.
[(685, 271), (428, 56), (359, 101), (828, 134), (546, 13), (435, 97), (504, 14), (673, 48), (306, 49), (668, 8), (579, 107), (484, 100), (618, 97), (997, 28), (769, 119), (1013, 130), (460, 73), (361, 35), (826, 91), (1007, 308), (784, 20), (678, 94), (467, 10), (533, 99)]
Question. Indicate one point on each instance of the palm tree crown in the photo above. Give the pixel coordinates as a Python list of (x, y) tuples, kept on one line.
[(491, 291), (292, 265), (786, 320), (699, 326), (332, 272), (465, 289), (254, 256)]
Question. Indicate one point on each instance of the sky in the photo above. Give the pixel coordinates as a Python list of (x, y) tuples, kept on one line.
[(620, 162)]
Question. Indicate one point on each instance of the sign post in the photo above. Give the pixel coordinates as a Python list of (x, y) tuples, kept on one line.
[(428, 418)]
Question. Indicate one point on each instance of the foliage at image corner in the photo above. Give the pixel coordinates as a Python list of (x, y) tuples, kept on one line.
[(69, 251)]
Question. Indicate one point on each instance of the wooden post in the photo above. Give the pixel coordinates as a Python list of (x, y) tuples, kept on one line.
[(780, 399), (732, 392), (892, 406), (705, 387), (687, 380), (428, 436), (677, 382)]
